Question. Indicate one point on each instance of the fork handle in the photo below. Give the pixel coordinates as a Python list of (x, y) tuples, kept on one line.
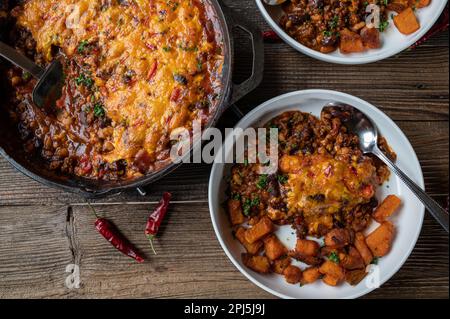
[(20, 60), (440, 214)]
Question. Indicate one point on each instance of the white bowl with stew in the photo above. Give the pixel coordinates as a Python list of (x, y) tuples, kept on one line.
[(392, 41), (408, 220)]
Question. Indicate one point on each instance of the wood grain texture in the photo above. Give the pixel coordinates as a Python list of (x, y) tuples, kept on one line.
[(42, 230), (426, 137), (190, 262)]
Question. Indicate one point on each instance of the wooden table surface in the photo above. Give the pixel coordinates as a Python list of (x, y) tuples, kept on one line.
[(42, 230)]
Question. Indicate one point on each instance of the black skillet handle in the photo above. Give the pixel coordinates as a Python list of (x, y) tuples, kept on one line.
[(237, 21)]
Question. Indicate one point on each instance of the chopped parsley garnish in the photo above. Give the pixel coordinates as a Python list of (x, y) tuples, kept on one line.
[(166, 49), (262, 182), (334, 257), (85, 80), (236, 196), (282, 179), (99, 110), (249, 204), (375, 261), (327, 33), (383, 26), (82, 46), (334, 23)]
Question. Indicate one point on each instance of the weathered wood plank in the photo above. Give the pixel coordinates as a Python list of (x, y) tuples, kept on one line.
[(430, 140), (36, 247)]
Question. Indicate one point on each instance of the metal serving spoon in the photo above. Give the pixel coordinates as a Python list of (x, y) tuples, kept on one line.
[(274, 2), (50, 81), (362, 126)]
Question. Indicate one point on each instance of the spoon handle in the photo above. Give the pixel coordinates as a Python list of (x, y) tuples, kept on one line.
[(20, 60), (437, 211)]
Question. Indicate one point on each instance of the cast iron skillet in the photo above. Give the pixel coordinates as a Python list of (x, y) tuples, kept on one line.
[(12, 150)]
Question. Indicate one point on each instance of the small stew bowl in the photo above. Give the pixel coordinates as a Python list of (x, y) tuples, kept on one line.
[(408, 220), (393, 42)]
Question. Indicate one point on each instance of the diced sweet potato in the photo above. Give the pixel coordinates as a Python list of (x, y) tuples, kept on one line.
[(307, 247), (354, 277), (371, 38), (398, 5), (388, 207), (422, 3), (330, 280), (281, 264), (364, 251), (352, 260), (309, 260), (338, 238), (310, 275), (330, 268), (406, 21), (380, 240), (274, 248), (253, 248), (260, 230), (235, 212), (351, 42), (260, 264), (292, 274)]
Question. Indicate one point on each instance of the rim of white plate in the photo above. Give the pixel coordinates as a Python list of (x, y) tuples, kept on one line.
[(363, 58), (252, 116)]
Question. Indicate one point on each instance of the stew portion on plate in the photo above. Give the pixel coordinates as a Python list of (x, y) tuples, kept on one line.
[(325, 190), (326, 25), (135, 71)]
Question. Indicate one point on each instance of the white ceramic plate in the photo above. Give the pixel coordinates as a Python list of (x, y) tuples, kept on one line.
[(393, 42), (408, 220)]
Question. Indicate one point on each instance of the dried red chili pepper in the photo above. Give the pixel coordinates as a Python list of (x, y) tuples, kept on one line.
[(111, 234), (156, 217)]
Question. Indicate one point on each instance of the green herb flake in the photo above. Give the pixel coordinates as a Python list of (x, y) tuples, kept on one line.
[(334, 257), (282, 179), (99, 110), (82, 46), (262, 182)]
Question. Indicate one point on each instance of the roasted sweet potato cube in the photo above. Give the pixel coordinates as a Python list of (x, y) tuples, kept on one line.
[(274, 248), (307, 247), (422, 3), (364, 251), (338, 238), (371, 38), (260, 264), (252, 249), (388, 207), (235, 212), (406, 21), (352, 260), (354, 277), (310, 275), (309, 260), (281, 264), (330, 268), (380, 240), (292, 274), (351, 42), (398, 5), (331, 281), (260, 230)]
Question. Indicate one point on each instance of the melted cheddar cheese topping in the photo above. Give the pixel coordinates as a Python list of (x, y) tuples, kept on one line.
[(321, 186), (156, 64)]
